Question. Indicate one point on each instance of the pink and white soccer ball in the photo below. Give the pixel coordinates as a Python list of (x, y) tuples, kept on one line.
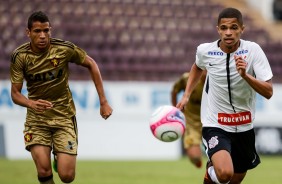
[(167, 123)]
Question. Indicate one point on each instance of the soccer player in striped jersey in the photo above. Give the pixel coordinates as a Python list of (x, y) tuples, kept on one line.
[(237, 70), (192, 139), (50, 124)]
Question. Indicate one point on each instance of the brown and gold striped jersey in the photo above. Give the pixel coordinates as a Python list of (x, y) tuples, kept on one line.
[(193, 107), (46, 75)]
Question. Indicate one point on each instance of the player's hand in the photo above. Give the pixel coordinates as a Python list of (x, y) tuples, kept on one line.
[(241, 65), (182, 103), (106, 110), (40, 105)]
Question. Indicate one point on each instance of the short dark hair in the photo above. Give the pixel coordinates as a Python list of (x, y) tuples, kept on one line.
[(37, 16), (230, 13)]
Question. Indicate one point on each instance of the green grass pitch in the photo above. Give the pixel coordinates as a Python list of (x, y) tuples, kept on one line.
[(137, 172)]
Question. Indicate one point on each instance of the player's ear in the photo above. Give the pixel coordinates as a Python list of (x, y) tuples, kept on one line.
[(217, 28), (50, 31), (27, 31), (243, 28)]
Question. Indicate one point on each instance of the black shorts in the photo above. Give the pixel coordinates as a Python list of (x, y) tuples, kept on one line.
[(240, 145)]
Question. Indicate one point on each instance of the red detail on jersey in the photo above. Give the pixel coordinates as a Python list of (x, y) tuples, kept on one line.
[(235, 119), (55, 62), (28, 137)]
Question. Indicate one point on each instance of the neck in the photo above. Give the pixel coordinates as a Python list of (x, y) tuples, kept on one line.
[(38, 50)]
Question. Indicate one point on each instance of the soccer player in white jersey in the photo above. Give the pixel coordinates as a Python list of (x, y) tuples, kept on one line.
[(237, 70)]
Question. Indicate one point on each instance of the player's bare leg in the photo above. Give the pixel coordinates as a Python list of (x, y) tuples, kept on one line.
[(237, 178), (66, 164), (194, 153), (223, 167), (41, 156)]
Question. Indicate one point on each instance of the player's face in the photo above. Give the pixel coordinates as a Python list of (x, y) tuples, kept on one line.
[(230, 32), (39, 35)]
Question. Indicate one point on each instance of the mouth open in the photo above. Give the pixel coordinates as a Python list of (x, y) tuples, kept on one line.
[(228, 40), (42, 44)]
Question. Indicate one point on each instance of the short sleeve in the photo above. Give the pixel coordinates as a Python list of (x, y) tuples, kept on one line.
[(261, 65), (78, 55), (199, 56), (16, 69)]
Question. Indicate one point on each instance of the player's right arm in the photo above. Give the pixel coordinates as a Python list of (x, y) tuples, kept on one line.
[(16, 72), (194, 77), (19, 99)]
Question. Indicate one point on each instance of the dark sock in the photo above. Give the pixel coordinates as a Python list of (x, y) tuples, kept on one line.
[(46, 179)]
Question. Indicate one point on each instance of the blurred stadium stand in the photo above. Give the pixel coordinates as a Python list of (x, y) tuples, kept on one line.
[(137, 40)]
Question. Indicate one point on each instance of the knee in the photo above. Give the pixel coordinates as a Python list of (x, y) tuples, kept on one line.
[(67, 177), (197, 161), (43, 172), (224, 176)]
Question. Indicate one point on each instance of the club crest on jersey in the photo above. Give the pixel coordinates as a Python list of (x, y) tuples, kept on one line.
[(213, 142), (55, 62), (27, 137)]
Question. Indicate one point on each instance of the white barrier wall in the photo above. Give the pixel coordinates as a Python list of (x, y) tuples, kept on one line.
[(126, 134), (263, 6)]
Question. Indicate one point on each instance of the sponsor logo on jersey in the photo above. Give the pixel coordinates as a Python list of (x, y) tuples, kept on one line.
[(46, 76), (219, 53), (241, 52), (215, 53), (235, 119)]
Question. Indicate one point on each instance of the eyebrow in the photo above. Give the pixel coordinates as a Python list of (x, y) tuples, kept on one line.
[(233, 24)]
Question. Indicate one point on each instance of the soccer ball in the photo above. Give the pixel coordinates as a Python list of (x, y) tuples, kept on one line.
[(167, 123)]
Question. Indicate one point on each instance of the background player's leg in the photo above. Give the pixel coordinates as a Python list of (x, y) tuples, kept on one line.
[(194, 153)]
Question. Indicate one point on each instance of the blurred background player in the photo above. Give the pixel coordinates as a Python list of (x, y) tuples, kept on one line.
[(192, 139), (51, 116)]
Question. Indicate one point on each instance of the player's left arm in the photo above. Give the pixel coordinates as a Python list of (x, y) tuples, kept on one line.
[(264, 88), (105, 108), (174, 91)]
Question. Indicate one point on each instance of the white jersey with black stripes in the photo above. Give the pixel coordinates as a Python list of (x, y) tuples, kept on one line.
[(228, 101)]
